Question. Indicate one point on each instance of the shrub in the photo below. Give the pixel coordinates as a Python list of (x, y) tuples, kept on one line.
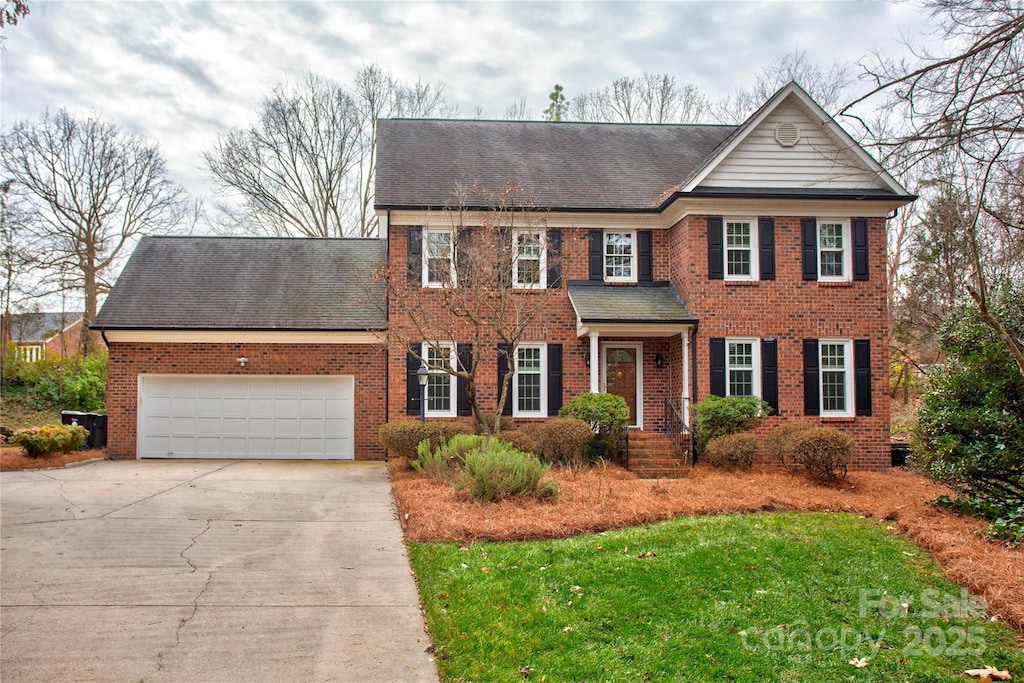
[(498, 471), (439, 464), (970, 428), (723, 415), (779, 443), (402, 438), (39, 442), (520, 439), (607, 415), (494, 423), (822, 453), (561, 439), (732, 451)]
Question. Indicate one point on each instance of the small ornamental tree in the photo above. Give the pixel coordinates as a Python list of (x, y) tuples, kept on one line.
[(476, 299)]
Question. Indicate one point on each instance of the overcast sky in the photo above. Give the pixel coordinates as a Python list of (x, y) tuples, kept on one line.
[(181, 73)]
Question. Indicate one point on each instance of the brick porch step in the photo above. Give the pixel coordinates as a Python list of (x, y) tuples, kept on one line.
[(655, 456)]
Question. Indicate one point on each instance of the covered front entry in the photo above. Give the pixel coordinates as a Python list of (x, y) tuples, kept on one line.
[(622, 375), (257, 416)]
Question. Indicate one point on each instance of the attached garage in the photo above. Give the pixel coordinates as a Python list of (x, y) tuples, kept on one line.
[(226, 416), (226, 347)]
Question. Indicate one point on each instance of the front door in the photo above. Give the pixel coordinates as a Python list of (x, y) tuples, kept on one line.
[(621, 372)]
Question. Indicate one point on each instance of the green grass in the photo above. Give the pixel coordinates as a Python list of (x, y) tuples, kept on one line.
[(766, 597)]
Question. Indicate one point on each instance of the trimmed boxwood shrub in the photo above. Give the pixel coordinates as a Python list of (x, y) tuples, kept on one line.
[(732, 451), (519, 438), (402, 438), (778, 445), (723, 415), (822, 452), (497, 471), (561, 440), (40, 442), (607, 415)]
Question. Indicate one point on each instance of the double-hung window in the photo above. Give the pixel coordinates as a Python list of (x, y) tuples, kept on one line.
[(742, 367), (740, 249), (620, 256), (529, 391), (833, 250), (440, 389), (529, 270), (438, 259), (836, 377)]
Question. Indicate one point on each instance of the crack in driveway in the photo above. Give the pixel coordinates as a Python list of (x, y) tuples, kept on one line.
[(195, 601)]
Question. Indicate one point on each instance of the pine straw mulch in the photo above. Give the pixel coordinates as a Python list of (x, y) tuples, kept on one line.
[(14, 458), (604, 498)]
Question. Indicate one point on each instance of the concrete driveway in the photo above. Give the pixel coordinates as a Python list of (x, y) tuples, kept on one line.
[(206, 571)]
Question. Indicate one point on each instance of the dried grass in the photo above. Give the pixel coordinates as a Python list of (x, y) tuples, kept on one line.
[(609, 497)]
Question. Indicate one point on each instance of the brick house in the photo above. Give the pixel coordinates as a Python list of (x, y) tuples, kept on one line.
[(693, 259), (38, 334), (698, 259)]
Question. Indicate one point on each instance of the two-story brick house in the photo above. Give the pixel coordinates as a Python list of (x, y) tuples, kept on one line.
[(698, 259), (682, 260)]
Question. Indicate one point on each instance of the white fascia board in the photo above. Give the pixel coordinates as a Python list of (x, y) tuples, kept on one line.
[(242, 337)]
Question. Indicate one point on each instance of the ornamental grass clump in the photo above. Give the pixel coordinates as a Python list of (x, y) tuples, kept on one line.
[(40, 442), (733, 451), (497, 471)]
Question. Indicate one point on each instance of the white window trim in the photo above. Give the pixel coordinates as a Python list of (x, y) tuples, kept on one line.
[(30, 353), (543, 412), (755, 267), (847, 250), (633, 256), (543, 280), (848, 371), (453, 398), (755, 347), (425, 267)]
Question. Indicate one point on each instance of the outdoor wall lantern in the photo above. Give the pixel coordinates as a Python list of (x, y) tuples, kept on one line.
[(421, 376), (242, 361), (659, 360)]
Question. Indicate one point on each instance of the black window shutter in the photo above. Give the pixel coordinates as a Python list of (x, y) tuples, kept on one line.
[(766, 246), (462, 257), (860, 249), (770, 373), (554, 379), (716, 250), (502, 372), (596, 252), (812, 400), (644, 249), (554, 247), (862, 373), (717, 364), (809, 245), (415, 255), (465, 354), (412, 383)]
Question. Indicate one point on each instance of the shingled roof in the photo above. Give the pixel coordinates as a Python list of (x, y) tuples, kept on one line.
[(39, 327), (246, 283), (563, 166), (598, 303)]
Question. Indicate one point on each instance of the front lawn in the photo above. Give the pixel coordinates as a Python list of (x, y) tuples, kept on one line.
[(759, 597)]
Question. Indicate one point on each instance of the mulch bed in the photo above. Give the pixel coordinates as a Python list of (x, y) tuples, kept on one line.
[(14, 458), (604, 498)]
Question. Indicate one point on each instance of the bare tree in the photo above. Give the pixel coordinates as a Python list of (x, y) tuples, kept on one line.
[(828, 85), (89, 189), (293, 169), (518, 110), (648, 98), (967, 107), (480, 298)]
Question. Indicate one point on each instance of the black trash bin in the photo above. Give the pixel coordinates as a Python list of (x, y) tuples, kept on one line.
[(899, 452), (94, 423)]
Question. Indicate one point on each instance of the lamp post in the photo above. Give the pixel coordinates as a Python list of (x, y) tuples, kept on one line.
[(421, 376)]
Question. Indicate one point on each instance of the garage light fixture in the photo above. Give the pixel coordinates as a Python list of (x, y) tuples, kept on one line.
[(242, 361)]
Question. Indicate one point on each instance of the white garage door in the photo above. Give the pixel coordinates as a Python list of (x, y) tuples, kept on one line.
[(231, 416)]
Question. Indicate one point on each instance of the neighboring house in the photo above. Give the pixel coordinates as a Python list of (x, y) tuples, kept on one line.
[(695, 260), (41, 333)]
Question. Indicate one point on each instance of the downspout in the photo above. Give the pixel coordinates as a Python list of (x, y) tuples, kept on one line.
[(387, 329), (693, 393), (106, 342)]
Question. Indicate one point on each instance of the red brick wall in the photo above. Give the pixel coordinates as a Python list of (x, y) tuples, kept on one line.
[(127, 360), (791, 310)]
